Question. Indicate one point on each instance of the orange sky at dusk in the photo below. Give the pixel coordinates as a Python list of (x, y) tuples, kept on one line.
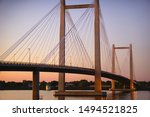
[(44, 76)]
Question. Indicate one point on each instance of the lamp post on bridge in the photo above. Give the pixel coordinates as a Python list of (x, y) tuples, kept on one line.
[(29, 55), (70, 61), (54, 60)]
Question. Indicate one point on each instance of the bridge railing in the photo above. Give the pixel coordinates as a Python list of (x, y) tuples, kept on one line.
[(39, 64)]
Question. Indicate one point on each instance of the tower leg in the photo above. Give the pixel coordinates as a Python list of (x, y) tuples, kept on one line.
[(61, 82), (98, 85), (131, 69), (113, 85)]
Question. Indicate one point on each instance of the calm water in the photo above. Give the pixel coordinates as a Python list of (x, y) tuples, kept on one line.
[(48, 95)]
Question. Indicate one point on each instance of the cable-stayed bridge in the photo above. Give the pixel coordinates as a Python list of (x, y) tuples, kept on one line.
[(57, 43)]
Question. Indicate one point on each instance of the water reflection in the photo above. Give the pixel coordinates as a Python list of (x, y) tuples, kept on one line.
[(133, 95), (61, 97), (113, 95), (101, 98), (49, 95), (126, 95), (81, 98)]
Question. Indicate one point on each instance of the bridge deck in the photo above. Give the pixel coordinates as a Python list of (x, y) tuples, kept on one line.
[(10, 66)]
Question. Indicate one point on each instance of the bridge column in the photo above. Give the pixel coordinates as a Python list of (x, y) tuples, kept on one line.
[(35, 85), (61, 82), (113, 66), (98, 85), (131, 69)]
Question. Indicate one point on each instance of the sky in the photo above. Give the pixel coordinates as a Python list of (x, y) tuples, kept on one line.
[(126, 21)]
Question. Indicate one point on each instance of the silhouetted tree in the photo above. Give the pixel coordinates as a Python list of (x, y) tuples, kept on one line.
[(54, 84), (84, 84), (2, 85), (43, 85)]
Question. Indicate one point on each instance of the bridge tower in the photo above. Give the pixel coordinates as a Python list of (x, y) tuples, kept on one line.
[(63, 6), (61, 83), (130, 63)]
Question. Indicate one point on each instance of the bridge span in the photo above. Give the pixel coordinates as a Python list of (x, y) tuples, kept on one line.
[(30, 67)]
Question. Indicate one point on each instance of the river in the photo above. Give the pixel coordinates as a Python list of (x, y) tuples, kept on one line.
[(49, 95)]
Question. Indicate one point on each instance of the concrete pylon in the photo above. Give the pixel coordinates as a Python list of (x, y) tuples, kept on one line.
[(98, 84), (35, 85)]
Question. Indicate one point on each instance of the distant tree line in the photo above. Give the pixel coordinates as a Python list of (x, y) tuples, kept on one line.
[(143, 85), (74, 85)]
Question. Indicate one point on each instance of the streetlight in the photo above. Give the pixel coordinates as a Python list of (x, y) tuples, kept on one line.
[(70, 61), (14, 57), (29, 55), (54, 60)]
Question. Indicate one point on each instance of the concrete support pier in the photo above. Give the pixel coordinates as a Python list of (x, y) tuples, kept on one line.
[(35, 85)]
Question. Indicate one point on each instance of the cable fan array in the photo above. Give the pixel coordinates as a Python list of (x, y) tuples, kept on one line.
[(41, 43)]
